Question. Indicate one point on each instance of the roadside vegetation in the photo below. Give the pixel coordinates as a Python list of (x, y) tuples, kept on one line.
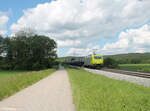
[(93, 92), (27, 51), (135, 67), (13, 81), (110, 63)]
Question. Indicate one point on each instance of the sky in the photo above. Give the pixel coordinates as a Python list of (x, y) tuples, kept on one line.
[(81, 26)]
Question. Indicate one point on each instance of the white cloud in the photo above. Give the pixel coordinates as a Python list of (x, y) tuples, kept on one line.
[(3, 21), (132, 40), (74, 23), (79, 51), (68, 43), (83, 51)]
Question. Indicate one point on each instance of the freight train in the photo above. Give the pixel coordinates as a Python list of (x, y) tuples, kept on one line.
[(93, 61)]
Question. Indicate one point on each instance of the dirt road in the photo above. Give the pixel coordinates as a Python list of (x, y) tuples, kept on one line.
[(50, 94)]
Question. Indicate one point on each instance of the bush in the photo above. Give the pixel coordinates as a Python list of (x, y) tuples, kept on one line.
[(135, 61), (5, 66), (36, 66), (111, 63)]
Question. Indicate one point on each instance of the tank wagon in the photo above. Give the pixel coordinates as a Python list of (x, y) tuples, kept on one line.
[(75, 61), (93, 61)]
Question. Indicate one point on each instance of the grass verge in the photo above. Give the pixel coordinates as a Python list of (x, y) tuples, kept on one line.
[(93, 92), (13, 81), (135, 67)]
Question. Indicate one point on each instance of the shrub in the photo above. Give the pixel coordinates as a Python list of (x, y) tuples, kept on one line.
[(111, 63), (36, 66), (5, 66)]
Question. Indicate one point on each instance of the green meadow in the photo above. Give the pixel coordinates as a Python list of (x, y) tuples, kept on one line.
[(135, 67), (93, 92), (14, 81)]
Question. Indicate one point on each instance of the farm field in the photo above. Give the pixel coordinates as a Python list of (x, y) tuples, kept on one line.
[(135, 67), (13, 81), (93, 92)]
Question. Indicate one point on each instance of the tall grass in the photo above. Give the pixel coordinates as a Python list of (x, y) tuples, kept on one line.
[(93, 92), (13, 81)]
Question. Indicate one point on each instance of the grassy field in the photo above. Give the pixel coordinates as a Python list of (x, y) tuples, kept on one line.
[(13, 81), (93, 92), (135, 67)]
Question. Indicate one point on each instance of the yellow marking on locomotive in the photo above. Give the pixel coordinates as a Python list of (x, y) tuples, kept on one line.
[(96, 59)]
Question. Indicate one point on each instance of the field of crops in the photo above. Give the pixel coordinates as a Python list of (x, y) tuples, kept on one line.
[(13, 81), (93, 92), (135, 67)]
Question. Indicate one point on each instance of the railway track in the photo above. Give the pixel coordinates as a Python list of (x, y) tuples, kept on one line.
[(131, 73)]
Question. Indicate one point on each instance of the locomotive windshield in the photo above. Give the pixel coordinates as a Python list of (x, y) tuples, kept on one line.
[(97, 57)]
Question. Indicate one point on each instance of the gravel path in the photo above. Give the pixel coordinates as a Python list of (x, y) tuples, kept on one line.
[(50, 94), (133, 79)]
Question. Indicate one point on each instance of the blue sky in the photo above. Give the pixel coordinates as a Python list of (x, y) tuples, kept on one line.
[(15, 8), (110, 27)]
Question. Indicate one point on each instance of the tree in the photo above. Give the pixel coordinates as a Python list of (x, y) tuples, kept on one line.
[(29, 52), (1, 44), (111, 63), (135, 61), (28, 32)]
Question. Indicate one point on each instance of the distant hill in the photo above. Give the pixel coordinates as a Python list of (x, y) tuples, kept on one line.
[(122, 58), (130, 55)]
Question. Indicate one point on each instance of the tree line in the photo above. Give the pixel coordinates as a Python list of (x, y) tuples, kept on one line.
[(27, 52), (113, 63)]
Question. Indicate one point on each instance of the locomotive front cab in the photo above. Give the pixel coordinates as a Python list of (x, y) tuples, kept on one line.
[(97, 59)]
